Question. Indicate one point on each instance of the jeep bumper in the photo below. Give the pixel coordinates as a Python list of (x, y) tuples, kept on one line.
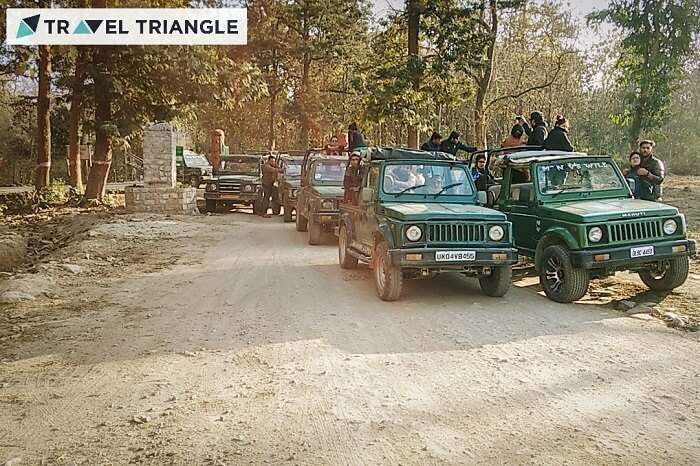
[(326, 217), (426, 258), (620, 258), (241, 198)]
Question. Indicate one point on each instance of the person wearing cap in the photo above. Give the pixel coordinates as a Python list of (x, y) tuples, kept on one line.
[(432, 144), (352, 179)]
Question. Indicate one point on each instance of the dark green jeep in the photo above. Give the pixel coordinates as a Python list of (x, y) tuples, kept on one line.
[(237, 182), (416, 215), (289, 181), (320, 193), (577, 219), (192, 168)]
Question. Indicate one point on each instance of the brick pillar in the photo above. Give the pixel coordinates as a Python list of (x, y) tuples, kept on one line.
[(159, 141)]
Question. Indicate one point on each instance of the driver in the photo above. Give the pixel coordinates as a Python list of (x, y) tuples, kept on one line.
[(434, 184), (404, 176)]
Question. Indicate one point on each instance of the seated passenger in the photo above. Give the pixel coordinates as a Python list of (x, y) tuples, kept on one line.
[(434, 184), (482, 177), (403, 176)]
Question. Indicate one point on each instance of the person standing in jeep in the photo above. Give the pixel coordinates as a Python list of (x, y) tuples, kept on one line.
[(452, 144), (269, 177), (537, 133), (651, 172)]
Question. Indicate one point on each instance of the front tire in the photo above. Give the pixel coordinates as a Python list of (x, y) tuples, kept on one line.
[(498, 283), (210, 206), (346, 260), (315, 232), (287, 212), (302, 223), (673, 275), (258, 207), (387, 278), (561, 281)]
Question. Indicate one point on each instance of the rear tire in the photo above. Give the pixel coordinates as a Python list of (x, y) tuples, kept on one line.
[(498, 283), (387, 278), (673, 276), (257, 207), (287, 212), (302, 223), (315, 232), (560, 280), (346, 260)]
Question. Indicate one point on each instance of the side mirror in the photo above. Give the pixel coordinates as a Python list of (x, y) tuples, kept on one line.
[(367, 195), (481, 195)]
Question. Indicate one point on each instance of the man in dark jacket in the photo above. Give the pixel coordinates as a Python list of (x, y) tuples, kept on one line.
[(433, 144), (651, 172), (269, 177), (451, 145), (355, 137), (558, 138), (537, 133)]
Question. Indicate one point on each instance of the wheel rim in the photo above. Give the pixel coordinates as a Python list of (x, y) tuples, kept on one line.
[(554, 274), (659, 274)]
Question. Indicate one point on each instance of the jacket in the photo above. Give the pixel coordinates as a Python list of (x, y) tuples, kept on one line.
[(430, 147), (631, 174), (451, 148), (351, 181), (482, 180), (355, 139), (537, 135), (269, 174), (512, 141), (558, 139), (651, 183)]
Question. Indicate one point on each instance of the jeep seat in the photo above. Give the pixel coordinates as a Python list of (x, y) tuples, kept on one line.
[(521, 192), (492, 194)]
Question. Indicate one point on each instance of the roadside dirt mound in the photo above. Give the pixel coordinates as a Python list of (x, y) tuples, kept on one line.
[(13, 249)]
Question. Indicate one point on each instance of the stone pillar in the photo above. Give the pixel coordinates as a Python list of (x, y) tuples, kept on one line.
[(160, 193), (159, 141)]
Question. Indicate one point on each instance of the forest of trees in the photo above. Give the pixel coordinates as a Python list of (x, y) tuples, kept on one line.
[(313, 66)]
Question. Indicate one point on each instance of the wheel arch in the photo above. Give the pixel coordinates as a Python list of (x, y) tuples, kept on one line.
[(553, 237)]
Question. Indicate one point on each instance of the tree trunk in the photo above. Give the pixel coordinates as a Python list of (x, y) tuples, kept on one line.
[(43, 159), (305, 117), (273, 115), (413, 9), (74, 119), (483, 83), (102, 159)]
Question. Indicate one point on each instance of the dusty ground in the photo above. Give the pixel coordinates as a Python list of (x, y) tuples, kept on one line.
[(228, 340)]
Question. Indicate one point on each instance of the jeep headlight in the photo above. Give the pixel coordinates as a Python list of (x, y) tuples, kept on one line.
[(496, 233), (211, 187), (248, 188), (595, 234), (670, 226), (413, 233), (327, 204)]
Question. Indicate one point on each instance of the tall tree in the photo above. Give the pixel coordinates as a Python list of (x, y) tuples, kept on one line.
[(43, 156), (658, 40), (413, 10), (75, 117)]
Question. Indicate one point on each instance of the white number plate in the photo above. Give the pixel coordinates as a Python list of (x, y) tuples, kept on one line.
[(445, 256), (642, 251)]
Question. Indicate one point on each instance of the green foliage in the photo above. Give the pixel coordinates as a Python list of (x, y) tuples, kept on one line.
[(658, 40)]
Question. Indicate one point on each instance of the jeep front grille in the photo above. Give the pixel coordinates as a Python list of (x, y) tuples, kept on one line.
[(456, 233), (635, 231), (229, 186)]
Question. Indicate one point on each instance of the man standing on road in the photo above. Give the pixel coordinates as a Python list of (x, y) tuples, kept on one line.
[(269, 178), (651, 172), (451, 145)]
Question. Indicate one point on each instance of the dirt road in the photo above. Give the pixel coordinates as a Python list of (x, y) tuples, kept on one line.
[(259, 349)]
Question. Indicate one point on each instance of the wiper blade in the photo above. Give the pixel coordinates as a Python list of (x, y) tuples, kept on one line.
[(564, 189), (449, 186), (408, 189)]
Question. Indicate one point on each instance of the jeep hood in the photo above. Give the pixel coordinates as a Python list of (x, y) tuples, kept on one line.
[(423, 211), (329, 191), (608, 210)]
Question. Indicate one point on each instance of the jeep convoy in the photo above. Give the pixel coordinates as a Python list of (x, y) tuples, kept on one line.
[(417, 214)]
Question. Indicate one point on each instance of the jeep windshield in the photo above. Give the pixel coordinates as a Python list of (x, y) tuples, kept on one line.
[(292, 169), (435, 180), (578, 176), (196, 160), (328, 172), (240, 166)]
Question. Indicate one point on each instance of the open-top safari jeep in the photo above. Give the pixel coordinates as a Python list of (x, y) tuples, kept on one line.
[(577, 219)]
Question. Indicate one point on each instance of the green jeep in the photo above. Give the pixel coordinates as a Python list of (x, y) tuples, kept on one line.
[(577, 219), (289, 181), (192, 168), (320, 194), (237, 182), (417, 215)]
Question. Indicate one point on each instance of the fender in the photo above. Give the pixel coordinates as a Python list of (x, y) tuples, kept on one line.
[(386, 234), (346, 219), (555, 235)]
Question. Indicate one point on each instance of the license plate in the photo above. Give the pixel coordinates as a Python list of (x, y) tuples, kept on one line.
[(447, 256), (230, 196), (642, 251)]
